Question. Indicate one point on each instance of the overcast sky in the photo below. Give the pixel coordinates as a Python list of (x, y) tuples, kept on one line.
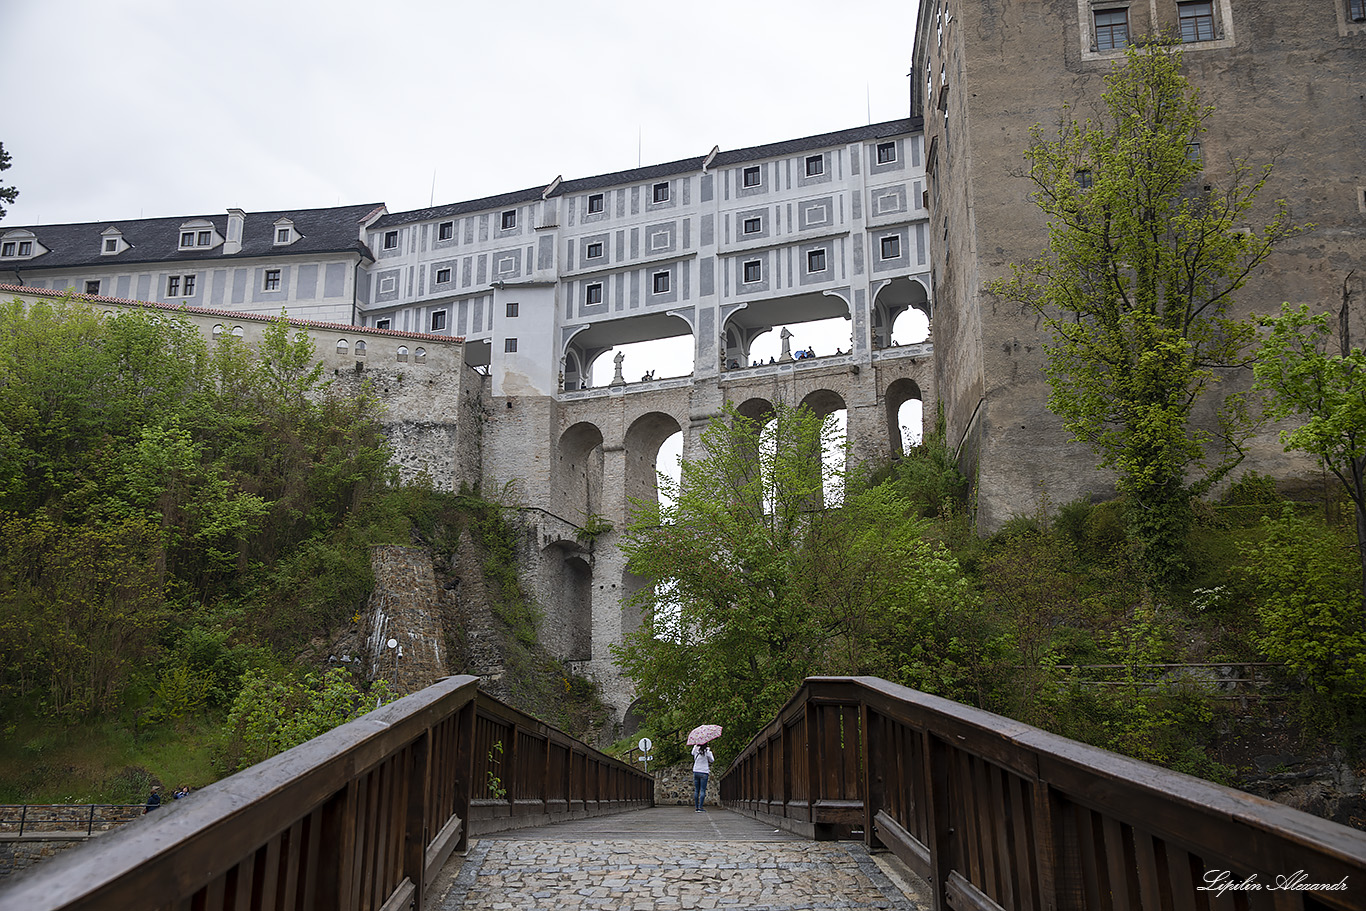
[(143, 108)]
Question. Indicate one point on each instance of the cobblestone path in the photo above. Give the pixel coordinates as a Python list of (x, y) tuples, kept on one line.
[(717, 860)]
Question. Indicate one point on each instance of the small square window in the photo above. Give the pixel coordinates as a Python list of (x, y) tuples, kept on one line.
[(272, 280), (8, 249), (381, 324), (891, 246), (594, 251), (25, 248), (187, 238), (443, 276), (661, 283), (1356, 10), (445, 230), (815, 261), (1084, 179), (92, 287), (509, 345), (438, 320), (1193, 152), (661, 192), (189, 286), (815, 165), (390, 240), (596, 203), (111, 245), (173, 286), (1112, 29), (1196, 20), (592, 294), (205, 238), (754, 271), (752, 176), (509, 219), (753, 225), (513, 308), (886, 152), (282, 235)]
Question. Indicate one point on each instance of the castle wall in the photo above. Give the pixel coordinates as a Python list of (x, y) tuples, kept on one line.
[(1284, 79)]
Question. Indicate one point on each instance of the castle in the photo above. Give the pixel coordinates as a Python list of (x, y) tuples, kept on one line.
[(522, 293)]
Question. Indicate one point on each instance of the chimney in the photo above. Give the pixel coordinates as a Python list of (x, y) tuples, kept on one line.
[(236, 221)]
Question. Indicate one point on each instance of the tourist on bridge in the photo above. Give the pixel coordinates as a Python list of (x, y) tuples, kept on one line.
[(702, 758)]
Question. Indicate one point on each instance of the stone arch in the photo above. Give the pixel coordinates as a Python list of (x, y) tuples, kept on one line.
[(825, 402), (403, 353), (342, 346), (577, 478), (892, 299), (898, 394), (644, 437), (567, 630), (360, 349)]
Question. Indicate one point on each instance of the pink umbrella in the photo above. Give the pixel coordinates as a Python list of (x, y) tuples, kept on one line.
[(704, 733)]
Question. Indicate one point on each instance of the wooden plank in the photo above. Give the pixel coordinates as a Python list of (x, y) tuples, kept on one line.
[(1119, 862), (1024, 837), (903, 844), (964, 896)]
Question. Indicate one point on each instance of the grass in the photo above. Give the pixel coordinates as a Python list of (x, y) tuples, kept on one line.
[(102, 762)]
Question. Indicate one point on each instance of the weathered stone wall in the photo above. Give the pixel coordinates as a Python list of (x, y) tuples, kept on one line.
[(995, 70), (21, 852), (673, 786), (406, 605)]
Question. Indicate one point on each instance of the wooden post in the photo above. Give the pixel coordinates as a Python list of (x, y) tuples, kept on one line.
[(874, 784), (935, 767), (464, 775), (415, 834)]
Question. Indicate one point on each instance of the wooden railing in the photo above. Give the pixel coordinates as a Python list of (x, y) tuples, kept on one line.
[(358, 819), (996, 814)]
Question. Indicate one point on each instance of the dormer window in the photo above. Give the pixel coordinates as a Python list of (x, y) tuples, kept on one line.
[(111, 245), (20, 244), (112, 242), (285, 233), (196, 235)]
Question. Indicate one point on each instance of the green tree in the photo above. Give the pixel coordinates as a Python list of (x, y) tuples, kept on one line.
[(7, 194), (759, 584), (1327, 390), (1146, 248)]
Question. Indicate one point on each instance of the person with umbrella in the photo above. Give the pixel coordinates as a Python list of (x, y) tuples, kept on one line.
[(702, 758)]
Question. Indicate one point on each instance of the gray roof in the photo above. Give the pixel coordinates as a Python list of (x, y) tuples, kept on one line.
[(651, 172), (157, 240)]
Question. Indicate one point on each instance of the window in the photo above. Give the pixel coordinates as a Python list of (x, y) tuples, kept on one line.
[(886, 152), (509, 345), (1356, 10), (1193, 152), (661, 192), (815, 165), (25, 248), (1084, 179), (173, 286), (754, 271), (592, 294), (594, 251), (111, 245), (513, 307), (438, 320), (891, 246), (342, 346), (753, 225), (661, 283), (752, 177), (381, 324), (282, 235), (217, 331), (420, 356), (272, 280), (1112, 29), (187, 238), (205, 238), (8, 249), (596, 203), (1196, 20), (92, 287), (509, 219), (360, 349), (815, 261), (445, 230), (403, 353), (443, 276), (189, 286), (390, 240)]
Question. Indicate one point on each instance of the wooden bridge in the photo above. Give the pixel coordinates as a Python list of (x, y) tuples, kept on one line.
[(992, 814)]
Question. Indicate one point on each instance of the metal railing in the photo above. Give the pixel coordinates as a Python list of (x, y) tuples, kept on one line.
[(358, 819), (63, 818), (996, 814)]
